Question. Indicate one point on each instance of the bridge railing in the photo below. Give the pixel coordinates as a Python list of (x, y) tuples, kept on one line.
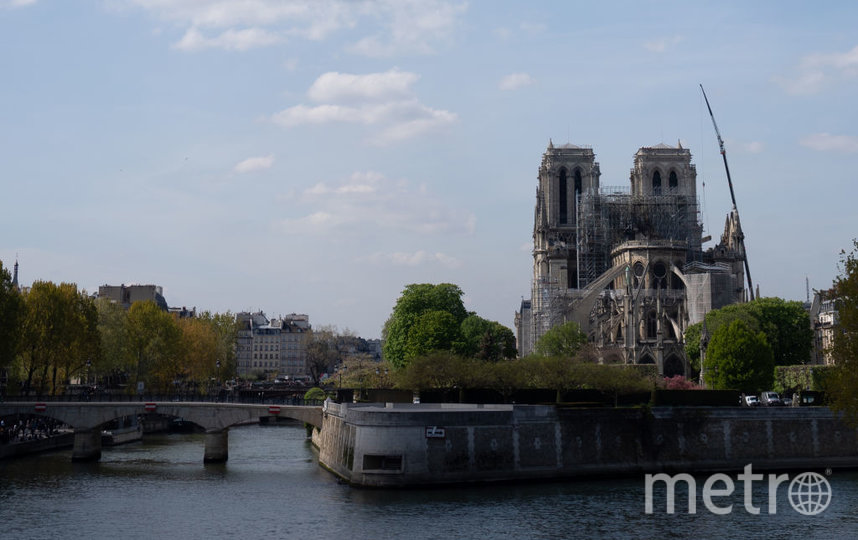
[(259, 398)]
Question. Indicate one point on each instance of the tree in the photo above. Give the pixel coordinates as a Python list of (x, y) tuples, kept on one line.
[(739, 359), (322, 353), (785, 324), (440, 370), (113, 361), (58, 336), (417, 300), (11, 312), (842, 384), (562, 340), (154, 345), (434, 330), (485, 339)]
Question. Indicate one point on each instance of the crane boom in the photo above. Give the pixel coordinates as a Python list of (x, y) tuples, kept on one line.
[(732, 195)]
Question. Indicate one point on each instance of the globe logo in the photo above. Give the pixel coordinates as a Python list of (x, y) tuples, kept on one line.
[(809, 493)]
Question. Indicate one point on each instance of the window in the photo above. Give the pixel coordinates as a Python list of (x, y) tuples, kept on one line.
[(656, 183), (651, 325), (384, 463), (659, 272), (564, 204), (672, 181)]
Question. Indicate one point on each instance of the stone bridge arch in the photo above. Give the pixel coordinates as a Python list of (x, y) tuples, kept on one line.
[(216, 418)]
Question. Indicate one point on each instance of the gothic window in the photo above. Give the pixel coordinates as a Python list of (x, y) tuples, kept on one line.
[(651, 325), (564, 204), (656, 183), (646, 359), (659, 273), (672, 181), (571, 274), (578, 185)]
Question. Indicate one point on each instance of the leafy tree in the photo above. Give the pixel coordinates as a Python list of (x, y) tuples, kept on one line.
[(154, 345), (562, 340), (113, 361), (842, 384), (58, 336), (739, 359), (11, 312), (485, 339), (614, 380), (785, 324), (316, 394), (432, 331), (408, 317), (199, 359), (322, 353), (440, 370)]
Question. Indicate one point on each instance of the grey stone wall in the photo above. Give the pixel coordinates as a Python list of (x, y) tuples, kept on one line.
[(389, 446)]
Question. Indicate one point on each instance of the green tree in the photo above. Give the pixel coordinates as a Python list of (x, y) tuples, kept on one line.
[(432, 331), (417, 300), (441, 370), (843, 382), (739, 359), (485, 339), (563, 340), (322, 353), (112, 363), (58, 336), (785, 324), (11, 313), (154, 349)]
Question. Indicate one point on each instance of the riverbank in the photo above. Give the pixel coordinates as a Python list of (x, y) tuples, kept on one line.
[(58, 441), (398, 445)]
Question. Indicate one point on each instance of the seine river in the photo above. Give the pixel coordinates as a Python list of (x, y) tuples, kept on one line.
[(273, 487)]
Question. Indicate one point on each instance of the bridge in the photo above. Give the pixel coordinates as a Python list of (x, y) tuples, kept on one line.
[(87, 419)]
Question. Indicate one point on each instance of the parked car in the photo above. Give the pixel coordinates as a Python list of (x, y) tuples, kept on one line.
[(771, 399), (752, 401), (787, 401)]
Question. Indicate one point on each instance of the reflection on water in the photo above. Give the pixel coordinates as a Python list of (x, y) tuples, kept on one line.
[(272, 486)]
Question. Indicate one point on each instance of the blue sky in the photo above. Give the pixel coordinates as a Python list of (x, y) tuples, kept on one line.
[(317, 156)]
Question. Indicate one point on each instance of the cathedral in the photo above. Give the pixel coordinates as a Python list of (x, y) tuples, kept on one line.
[(626, 262)]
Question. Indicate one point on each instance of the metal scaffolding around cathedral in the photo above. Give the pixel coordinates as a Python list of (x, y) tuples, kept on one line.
[(626, 263)]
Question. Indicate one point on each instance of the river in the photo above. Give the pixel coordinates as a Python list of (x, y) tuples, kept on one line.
[(273, 487)]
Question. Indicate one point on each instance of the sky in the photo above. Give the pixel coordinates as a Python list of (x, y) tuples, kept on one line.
[(316, 156)]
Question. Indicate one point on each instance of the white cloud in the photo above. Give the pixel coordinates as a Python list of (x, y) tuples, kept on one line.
[(514, 81), (825, 142), (413, 27), (333, 86), (661, 45), (418, 258), (232, 40), (16, 3), (254, 164), (532, 27), (369, 203), (816, 71), (408, 26), (382, 100)]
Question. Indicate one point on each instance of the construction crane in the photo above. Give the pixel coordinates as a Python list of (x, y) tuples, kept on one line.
[(741, 234)]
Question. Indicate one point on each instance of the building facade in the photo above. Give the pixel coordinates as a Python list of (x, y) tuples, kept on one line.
[(125, 295), (626, 262), (272, 347)]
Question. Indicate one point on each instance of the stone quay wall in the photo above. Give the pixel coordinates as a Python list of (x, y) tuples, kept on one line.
[(398, 445)]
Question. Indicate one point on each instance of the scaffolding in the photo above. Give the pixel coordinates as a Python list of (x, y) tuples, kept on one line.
[(612, 216)]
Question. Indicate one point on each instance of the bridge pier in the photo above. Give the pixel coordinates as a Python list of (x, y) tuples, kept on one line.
[(87, 445), (217, 446)]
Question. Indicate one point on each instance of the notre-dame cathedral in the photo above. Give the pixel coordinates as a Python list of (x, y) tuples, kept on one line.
[(626, 263)]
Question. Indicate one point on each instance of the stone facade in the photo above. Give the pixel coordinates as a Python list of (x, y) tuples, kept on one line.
[(277, 347), (626, 263)]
